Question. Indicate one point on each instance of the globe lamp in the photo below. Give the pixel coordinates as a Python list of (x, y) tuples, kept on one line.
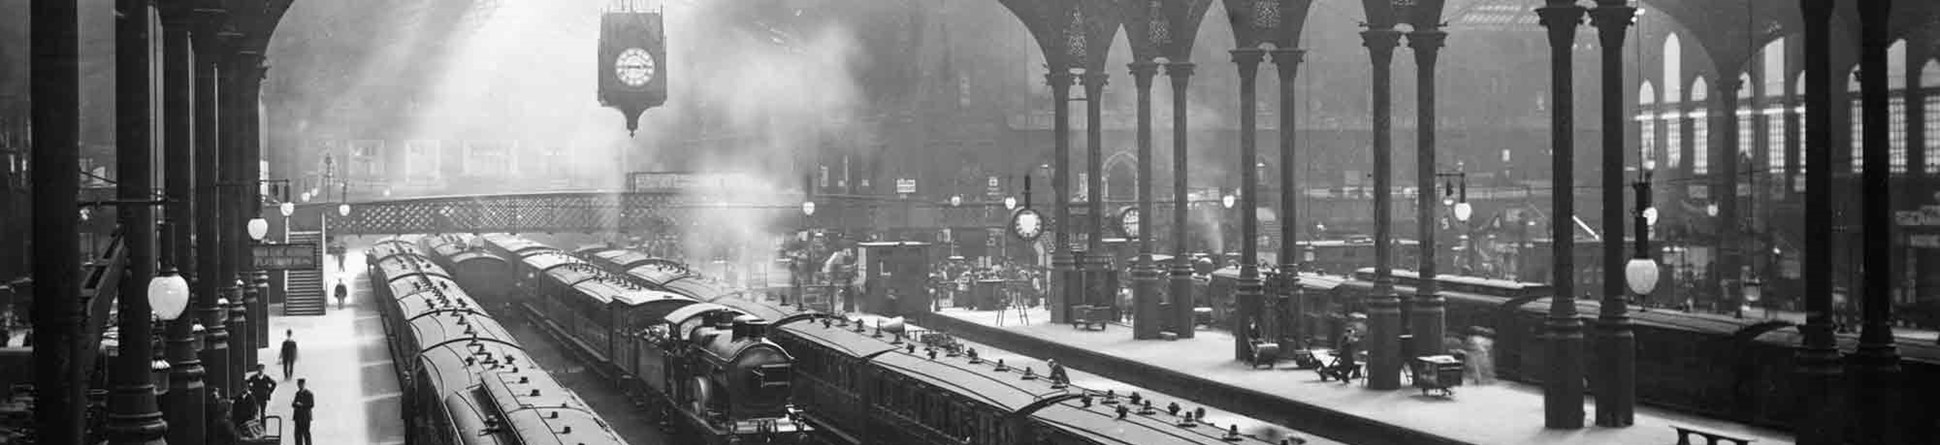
[(808, 208), (288, 208), (258, 228), (168, 295), (1463, 211), (1010, 203), (343, 209), (1641, 275)]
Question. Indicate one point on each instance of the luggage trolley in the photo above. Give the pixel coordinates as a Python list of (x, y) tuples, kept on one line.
[(1440, 373)]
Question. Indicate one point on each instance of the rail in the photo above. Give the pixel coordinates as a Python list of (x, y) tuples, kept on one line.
[(1684, 436)]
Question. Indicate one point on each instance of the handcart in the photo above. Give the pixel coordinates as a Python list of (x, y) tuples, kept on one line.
[(260, 431), (1339, 369), (1439, 373)]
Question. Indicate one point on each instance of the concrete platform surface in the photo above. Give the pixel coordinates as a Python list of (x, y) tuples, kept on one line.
[(1500, 414)]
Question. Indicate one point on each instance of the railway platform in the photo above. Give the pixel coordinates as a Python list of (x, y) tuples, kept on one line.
[(1503, 413), (349, 368)]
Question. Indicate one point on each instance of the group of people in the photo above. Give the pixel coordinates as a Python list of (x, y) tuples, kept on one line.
[(955, 280), (241, 417)]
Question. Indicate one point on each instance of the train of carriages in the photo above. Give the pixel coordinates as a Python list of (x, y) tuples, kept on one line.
[(1742, 370), (465, 379), (735, 369)]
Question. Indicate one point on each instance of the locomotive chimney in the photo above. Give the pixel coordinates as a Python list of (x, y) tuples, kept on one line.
[(755, 329)]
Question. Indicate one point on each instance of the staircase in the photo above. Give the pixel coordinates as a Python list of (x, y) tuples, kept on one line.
[(303, 292)]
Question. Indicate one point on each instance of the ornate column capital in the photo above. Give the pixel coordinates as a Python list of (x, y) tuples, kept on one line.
[(1555, 16), (1427, 40), (1179, 69), (1383, 39)]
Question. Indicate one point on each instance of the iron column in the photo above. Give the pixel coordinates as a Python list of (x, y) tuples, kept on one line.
[(1069, 282), (1563, 380), (59, 377), (210, 279), (1724, 190), (235, 235), (1383, 306), (184, 401), (1096, 263), (134, 416), (1616, 399), (1145, 276), (1291, 297), (1180, 291), (1877, 361), (1428, 311), (1247, 290)]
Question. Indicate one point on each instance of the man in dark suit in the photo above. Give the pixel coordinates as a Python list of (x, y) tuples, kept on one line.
[(261, 387), (302, 406), (288, 357)]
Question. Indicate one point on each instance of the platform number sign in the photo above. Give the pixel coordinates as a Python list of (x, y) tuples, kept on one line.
[(632, 63)]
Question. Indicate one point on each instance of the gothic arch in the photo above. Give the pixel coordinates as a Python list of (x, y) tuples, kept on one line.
[(1121, 176)]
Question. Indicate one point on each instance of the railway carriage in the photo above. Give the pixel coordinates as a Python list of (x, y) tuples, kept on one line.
[(449, 351), (467, 260)]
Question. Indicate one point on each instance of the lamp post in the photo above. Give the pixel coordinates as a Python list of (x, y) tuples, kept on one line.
[(1384, 307), (1620, 341), (801, 278), (1563, 380)]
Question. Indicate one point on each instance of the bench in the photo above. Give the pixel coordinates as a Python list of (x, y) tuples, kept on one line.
[(1684, 437)]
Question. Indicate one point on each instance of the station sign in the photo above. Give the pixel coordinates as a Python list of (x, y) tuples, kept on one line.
[(1927, 216), (296, 256), (906, 186)]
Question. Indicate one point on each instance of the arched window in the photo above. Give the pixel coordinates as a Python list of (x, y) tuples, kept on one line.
[(1930, 80), (1896, 106), (1798, 91), (1700, 129), (1745, 123), (1856, 141), (1647, 123), (1775, 100), (1673, 102)]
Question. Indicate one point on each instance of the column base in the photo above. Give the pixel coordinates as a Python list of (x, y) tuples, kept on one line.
[(1146, 319), (1065, 281), (1179, 289)]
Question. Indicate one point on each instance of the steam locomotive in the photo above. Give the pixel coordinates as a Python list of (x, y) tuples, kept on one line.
[(1714, 365), (709, 366), (465, 379)]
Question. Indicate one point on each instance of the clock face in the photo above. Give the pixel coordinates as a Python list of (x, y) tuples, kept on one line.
[(634, 67), (1027, 224), (1129, 222)]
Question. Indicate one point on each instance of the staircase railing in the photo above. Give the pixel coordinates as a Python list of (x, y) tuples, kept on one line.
[(100, 286)]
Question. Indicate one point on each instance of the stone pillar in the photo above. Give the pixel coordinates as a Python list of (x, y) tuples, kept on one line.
[(1180, 285), (1617, 343), (1284, 328), (1876, 363), (1383, 306), (1428, 312), (1145, 276), (1821, 421), (1563, 378)]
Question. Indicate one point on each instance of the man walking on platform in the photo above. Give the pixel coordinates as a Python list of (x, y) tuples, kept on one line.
[(304, 402), (288, 357), (342, 292)]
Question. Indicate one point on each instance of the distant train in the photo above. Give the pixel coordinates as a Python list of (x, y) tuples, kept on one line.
[(1741, 370), (465, 379)]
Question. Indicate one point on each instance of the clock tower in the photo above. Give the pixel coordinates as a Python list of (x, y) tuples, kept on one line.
[(632, 68)]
